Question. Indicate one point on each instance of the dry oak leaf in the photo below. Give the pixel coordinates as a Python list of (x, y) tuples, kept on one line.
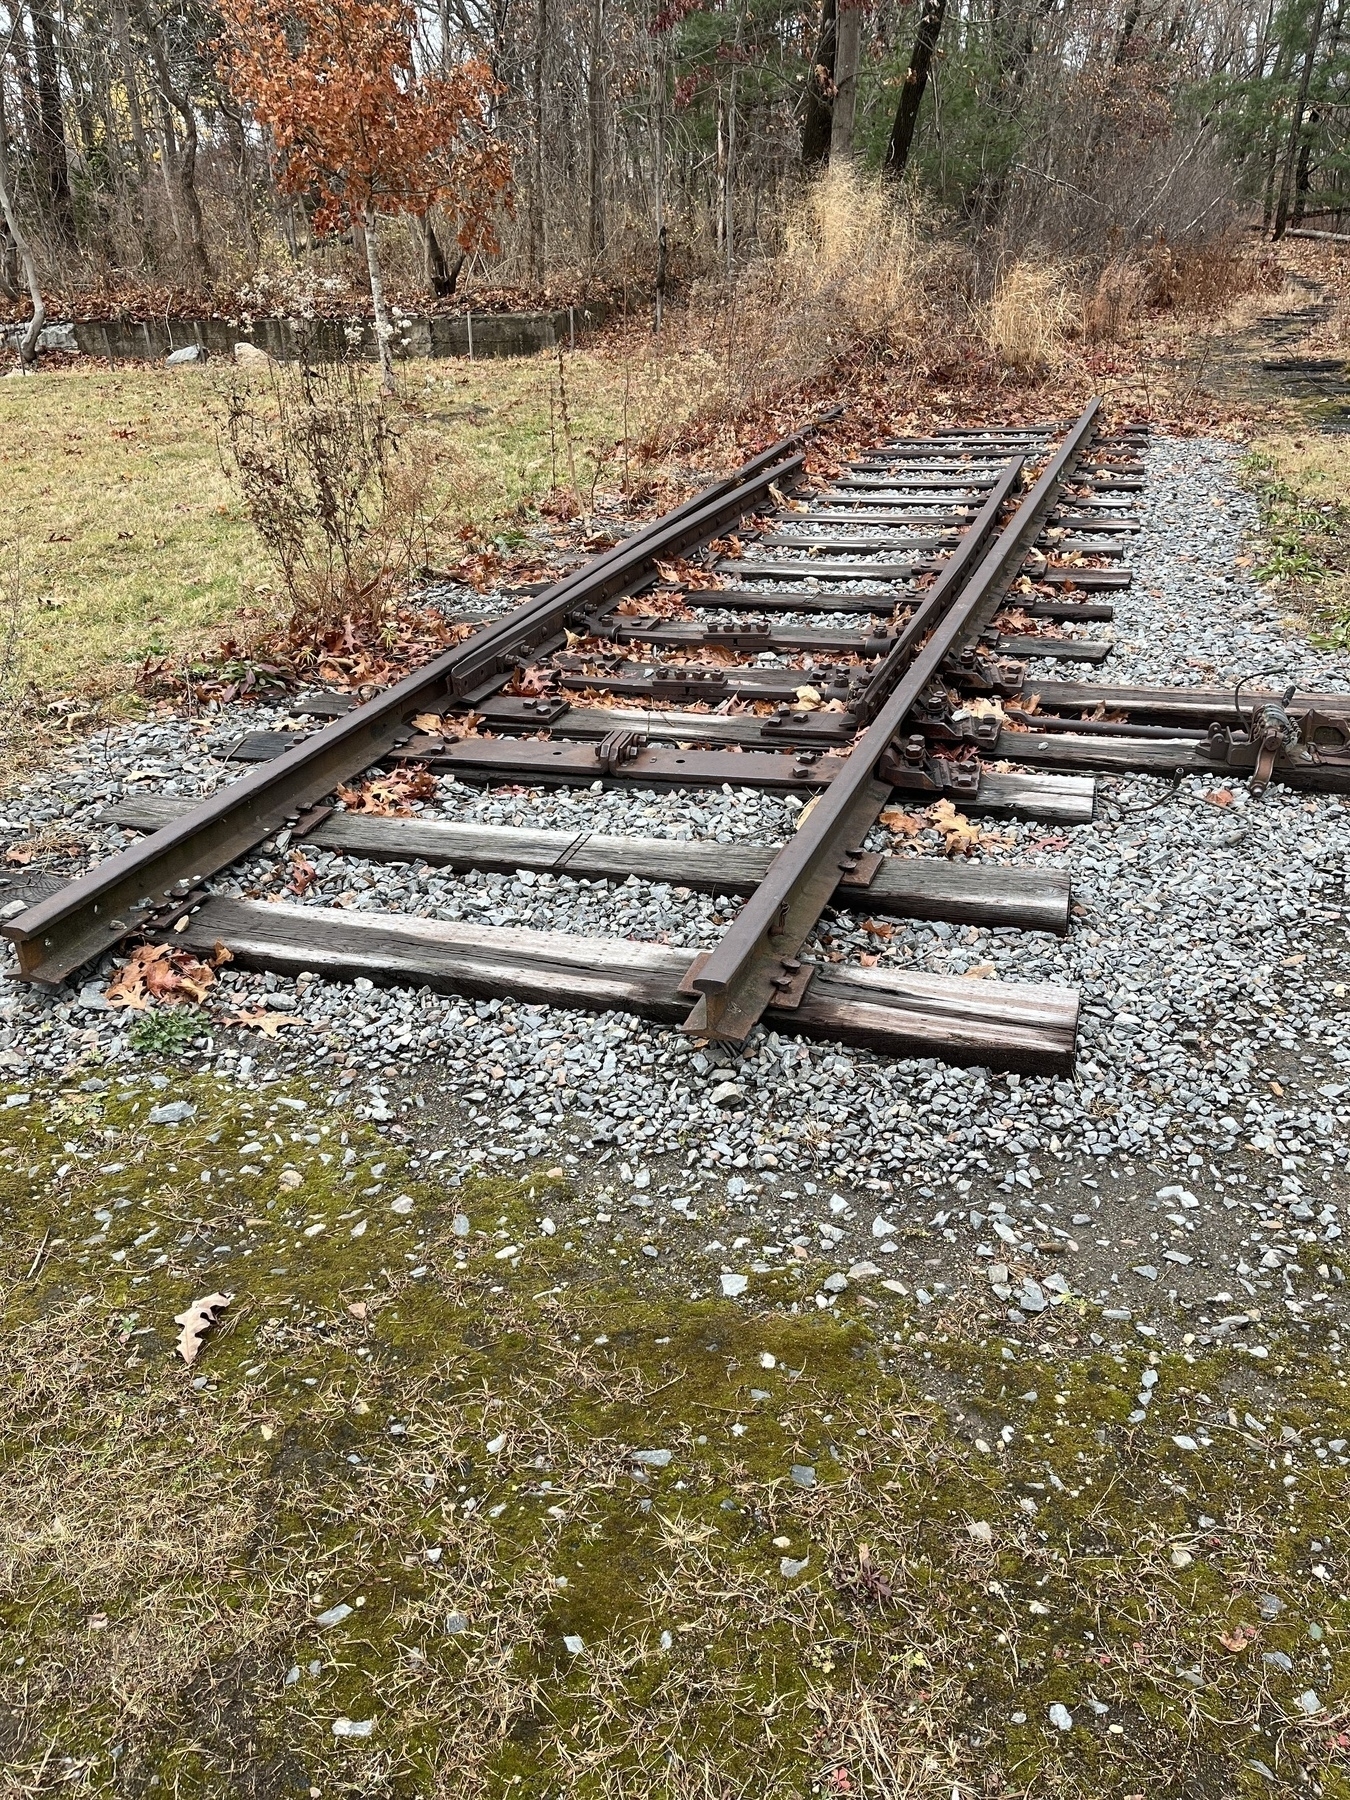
[(779, 498), (303, 873), (267, 1022), (390, 796), (157, 972), (195, 1322), (960, 835), (907, 824)]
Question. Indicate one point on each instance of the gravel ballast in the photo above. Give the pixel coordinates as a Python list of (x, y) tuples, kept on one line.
[(1191, 1172)]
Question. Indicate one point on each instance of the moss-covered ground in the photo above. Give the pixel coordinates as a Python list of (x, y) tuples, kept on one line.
[(872, 1555)]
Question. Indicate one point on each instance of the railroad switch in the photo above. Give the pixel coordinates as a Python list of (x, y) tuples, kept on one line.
[(938, 722), (1277, 739), (982, 672), (618, 748), (676, 683), (911, 768)]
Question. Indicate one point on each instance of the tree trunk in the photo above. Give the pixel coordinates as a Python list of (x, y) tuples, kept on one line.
[(136, 123), (848, 43), (536, 215), (237, 138), (54, 154), (1303, 175), (23, 254), (661, 244), (187, 161), (384, 329), (595, 207), (916, 81), (819, 101), (720, 199), (442, 277), (168, 168), (1296, 125)]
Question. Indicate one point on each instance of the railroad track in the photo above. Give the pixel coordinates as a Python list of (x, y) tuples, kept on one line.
[(882, 632)]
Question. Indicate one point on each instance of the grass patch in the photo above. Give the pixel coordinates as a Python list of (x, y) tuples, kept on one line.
[(877, 1556), (1302, 482), (134, 544)]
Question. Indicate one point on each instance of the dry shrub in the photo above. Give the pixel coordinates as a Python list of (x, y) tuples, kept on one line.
[(1029, 316), (854, 285), (342, 508), (1116, 298), (1204, 279)]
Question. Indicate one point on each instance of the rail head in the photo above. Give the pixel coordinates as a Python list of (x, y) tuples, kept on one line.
[(752, 962)]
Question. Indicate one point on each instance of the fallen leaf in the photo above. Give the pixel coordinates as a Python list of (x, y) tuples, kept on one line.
[(158, 972), (267, 1022), (780, 499), (960, 835), (195, 1322), (303, 873), (904, 823), (391, 796), (978, 972), (1224, 797), (877, 929), (808, 698)]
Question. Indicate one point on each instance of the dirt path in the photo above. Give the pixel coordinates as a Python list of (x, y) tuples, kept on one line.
[(1287, 353)]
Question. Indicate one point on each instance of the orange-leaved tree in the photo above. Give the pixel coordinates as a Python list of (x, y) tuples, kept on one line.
[(358, 128)]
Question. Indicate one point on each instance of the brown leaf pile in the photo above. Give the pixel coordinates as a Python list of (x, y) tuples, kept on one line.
[(960, 837), (682, 573), (156, 972), (391, 796)]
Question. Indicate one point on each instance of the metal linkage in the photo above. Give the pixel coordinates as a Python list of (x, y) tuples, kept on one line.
[(750, 968)]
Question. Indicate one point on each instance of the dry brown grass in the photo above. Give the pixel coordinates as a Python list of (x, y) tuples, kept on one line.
[(861, 278), (1029, 315)]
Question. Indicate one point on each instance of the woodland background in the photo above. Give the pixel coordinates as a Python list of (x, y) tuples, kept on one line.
[(657, 145)]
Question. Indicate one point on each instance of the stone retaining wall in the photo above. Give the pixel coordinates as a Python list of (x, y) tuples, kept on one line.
[(324, 340)]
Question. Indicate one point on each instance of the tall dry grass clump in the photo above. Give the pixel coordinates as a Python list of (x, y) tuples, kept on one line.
[(858, 281), (1029, 316)]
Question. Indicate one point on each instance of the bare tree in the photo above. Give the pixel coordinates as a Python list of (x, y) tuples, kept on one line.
[(1296, 122), (21, 249)]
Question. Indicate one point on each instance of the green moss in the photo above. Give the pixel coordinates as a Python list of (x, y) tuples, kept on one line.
[(405, 1422)]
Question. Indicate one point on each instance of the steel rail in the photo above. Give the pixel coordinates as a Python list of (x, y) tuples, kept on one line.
[(754, 963), (120, 895)]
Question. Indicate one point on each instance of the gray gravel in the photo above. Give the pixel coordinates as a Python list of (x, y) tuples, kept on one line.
[(1191, 1172)]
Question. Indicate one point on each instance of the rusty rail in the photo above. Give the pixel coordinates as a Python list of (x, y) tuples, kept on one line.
[(755, 962)]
